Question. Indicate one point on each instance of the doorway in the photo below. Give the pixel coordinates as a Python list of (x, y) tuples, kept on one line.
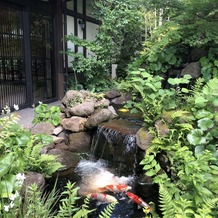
[(26, 56)]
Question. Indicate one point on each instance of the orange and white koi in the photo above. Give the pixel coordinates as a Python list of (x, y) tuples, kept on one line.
[(139, 201), (103, 197), (116, 188)]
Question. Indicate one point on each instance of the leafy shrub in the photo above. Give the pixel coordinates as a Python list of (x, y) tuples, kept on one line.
[(148, 95), (189, 183), (44, 113), (21, 152)]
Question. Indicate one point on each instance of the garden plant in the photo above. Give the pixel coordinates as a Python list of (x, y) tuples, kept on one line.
[(151, 42)]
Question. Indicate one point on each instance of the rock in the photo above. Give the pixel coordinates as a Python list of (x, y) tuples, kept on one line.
[(75, 124), (103, 103), (71, 98), (64, 135), (31, 178), (79, 142), (143, 138), (197, 54), (83, 110), (161, 128), (193, 69), (46, 148), (61, 146), (98, 117), (57, 140), (66, 158), (112, 94), (112, 110), (122, 99), (57, 130), (43, 127)]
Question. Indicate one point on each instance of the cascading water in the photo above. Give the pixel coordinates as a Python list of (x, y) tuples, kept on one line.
[(115, 143)]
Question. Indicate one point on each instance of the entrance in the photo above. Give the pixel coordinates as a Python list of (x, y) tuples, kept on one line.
[(25, 57), (12, 72)]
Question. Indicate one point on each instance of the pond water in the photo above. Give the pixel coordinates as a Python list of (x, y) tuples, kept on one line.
[(114, 160)]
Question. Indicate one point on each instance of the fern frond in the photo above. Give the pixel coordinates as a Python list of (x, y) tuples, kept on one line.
[(211, 203), (209, 208), (197, 87), (84, 211), (169, 116), (166, 202), (107, 212), (36, 149), (184, 126)]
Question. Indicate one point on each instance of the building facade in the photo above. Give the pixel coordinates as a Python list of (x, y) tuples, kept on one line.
[(33, 67)]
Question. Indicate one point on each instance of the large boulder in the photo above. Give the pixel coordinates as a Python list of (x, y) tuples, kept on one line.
[(44, 128), (103, 103), (79, 142), (33, 178), (121, 100), (73, 97), (66, 158), (143, 138), (112, 94), (75, 124), (84, 109), (100, 116), (162, 128), (193, 69)]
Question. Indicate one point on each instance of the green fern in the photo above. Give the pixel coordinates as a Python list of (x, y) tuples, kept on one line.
[(184, 126), (197, 87), (84, 210), (42, 163), (166, 202), (107, 212), (183, 208), (208, 209), (68, 203), (170, 116)]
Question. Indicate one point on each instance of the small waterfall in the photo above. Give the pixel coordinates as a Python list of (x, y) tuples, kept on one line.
[(115, 142)]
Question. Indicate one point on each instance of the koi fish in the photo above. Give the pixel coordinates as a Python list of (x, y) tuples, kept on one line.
[(138, 201), (103, 197), (123, 110), (116, 188)]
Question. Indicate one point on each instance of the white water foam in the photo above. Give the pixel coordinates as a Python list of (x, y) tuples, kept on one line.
[(95, 175)]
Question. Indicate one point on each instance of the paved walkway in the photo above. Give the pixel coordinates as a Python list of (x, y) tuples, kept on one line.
[(27, 115)]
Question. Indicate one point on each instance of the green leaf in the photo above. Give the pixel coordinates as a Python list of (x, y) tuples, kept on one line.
[(205, 191), (5, 163), (203, 114), (199, 150), (146, 167), (150, 173), (205, 123), (7, 185), (173, 60), (23, 138), (200, 101), (196, 137)]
